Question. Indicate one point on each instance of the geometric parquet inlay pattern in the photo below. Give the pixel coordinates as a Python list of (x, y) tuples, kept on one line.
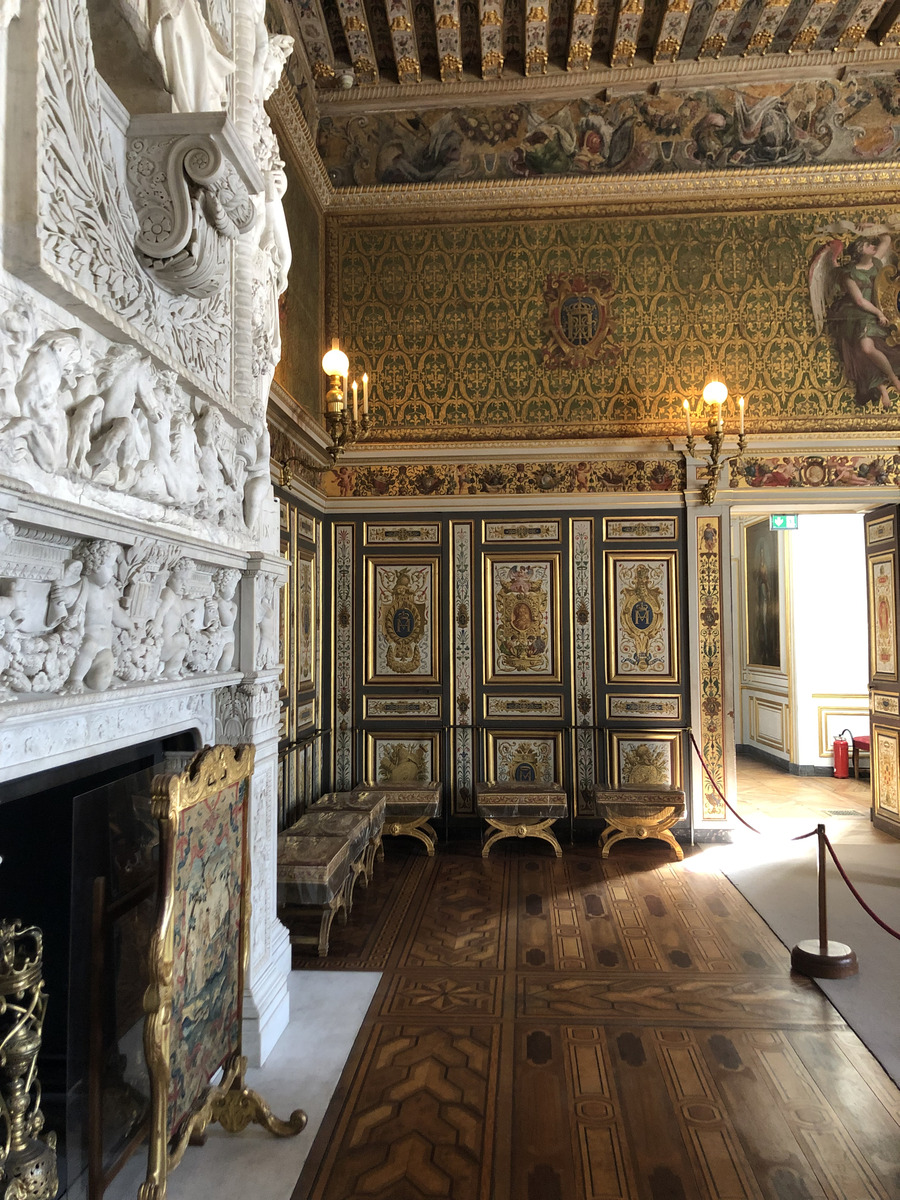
[(580, 1029)]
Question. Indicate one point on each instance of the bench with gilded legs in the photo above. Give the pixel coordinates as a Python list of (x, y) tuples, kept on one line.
[(521, 810)]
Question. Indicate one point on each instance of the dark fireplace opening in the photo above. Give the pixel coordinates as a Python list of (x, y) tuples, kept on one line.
[(78, 849)]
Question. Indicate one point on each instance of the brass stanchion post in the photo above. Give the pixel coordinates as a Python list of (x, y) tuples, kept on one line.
[(820, 958)]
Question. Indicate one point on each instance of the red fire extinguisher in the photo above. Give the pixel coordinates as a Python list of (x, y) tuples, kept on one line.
[(841, 755)]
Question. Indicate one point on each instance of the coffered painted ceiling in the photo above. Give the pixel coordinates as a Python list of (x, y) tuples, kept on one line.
[(414, 44), (485, 91)]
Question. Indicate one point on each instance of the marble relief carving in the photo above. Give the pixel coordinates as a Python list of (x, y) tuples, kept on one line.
[(84, 419), (87, 226), (96, 615)]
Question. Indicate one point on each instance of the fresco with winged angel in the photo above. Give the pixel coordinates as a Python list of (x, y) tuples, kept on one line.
[(854, 286)]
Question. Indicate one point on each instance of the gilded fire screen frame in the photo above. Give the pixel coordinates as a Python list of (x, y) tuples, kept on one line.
[(194, 1000)]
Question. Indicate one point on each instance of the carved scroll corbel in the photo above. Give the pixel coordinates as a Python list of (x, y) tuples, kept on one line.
[(191, 181)]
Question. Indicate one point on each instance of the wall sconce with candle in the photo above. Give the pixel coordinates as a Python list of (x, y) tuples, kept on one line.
[(346, 425), (715, 395)]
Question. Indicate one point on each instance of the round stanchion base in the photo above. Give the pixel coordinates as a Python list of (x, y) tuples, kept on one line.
[(839, 961)]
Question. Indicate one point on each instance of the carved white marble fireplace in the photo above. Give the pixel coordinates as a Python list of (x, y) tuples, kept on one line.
[(143, 252)]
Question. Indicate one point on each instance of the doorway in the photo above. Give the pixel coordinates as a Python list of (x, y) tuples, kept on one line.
[(801, 671)]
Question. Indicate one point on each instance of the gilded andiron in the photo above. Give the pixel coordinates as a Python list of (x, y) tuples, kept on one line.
[(27, 1161)]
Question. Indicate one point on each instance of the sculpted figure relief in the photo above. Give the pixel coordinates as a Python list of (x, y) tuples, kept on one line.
[(113, 616), (89, 608), (195, 67), (120, 421)]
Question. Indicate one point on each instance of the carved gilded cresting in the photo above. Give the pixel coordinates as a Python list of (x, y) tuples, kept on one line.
[(202, 936)]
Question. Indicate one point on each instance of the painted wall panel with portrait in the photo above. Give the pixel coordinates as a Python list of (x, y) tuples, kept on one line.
[(522, 617)]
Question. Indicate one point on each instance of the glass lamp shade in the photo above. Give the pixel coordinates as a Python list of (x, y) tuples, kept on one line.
[(335, 362), (715, 392)]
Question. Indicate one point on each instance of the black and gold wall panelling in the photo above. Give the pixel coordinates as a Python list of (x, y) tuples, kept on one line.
[(300, 743), (508, 648), (644, 666), (525, 705)]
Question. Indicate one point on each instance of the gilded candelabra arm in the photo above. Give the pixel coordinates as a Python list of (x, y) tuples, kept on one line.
[(716, 465), (286, 473), (345, 430)]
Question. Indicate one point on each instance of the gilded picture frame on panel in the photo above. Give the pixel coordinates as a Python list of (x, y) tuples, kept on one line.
[(886, 771), (402, 641), (642, 616), (305, 610), (882, 617), (646, 759), (525, 757), (395, 758), (522, 614)]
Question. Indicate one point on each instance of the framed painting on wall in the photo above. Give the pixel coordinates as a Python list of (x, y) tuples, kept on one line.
[(642, 617), (305, 614), (524, 757), (646, 759), (392, 758), (882, 617), (762, 590), (521, 617), (401, 620)]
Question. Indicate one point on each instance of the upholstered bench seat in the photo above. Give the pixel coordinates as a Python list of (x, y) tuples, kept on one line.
[(314, 875), (638, 813), (370, 805), (520, 810), (409, 807)]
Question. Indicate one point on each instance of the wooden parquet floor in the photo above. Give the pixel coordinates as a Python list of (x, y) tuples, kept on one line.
[(576, 1029)]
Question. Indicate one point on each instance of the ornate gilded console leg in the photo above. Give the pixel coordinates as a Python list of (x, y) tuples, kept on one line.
[(521, 829), (419, 829)]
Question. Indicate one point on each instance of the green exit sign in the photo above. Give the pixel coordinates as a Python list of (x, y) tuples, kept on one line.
[(783, 520)]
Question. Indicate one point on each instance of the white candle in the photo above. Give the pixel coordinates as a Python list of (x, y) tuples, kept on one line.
[(365, 395), (741, 407), (687, 415), (355, 408)]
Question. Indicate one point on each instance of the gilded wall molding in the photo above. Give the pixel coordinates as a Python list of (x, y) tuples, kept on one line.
[(297, 141), (624, 195)]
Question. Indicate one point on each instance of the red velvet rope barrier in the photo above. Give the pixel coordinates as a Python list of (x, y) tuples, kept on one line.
[(843, 874), (800, 836), (845, 877)]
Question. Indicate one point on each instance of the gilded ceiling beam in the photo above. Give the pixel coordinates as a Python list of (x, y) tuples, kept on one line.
[(537, 37), (769, 20), (490, 19), (316, 41), (671, 30), (403, 41), (581, 35), (808, 34), (857, 24), (446, 22), (891, 30), (719, 29), (624, 43), (359, 40)]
